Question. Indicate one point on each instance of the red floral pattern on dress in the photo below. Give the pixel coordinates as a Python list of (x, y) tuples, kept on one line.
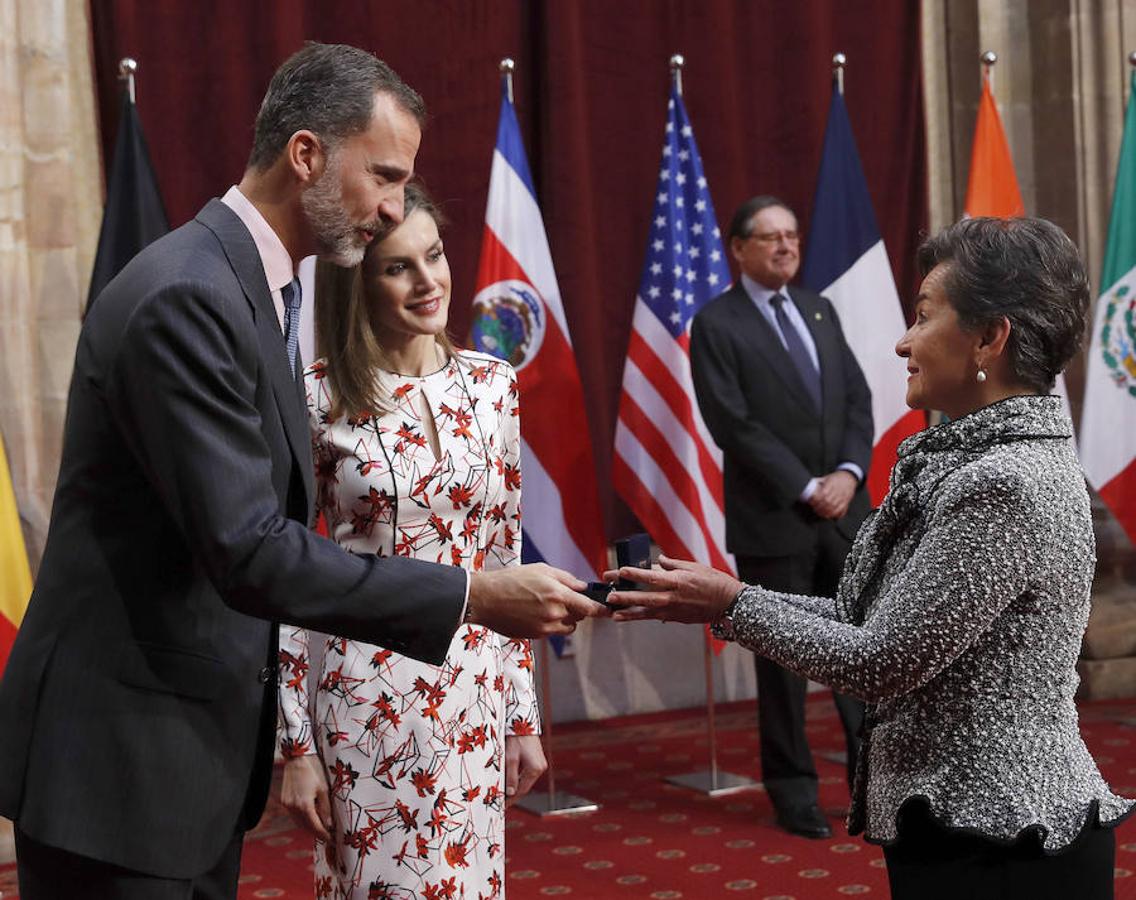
[(413, 752)]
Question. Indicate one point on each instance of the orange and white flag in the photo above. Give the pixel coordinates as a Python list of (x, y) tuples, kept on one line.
[(993, 186)]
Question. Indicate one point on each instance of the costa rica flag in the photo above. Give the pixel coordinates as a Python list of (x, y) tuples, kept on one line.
[(518, 315)]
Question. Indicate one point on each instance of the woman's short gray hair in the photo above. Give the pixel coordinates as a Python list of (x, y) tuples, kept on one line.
[(1025, 269)]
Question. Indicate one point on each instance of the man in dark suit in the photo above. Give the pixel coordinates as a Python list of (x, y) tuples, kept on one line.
[(785, 399), (138, 710)]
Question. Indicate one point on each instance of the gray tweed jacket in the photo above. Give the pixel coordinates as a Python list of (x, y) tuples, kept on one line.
[(959, 620)]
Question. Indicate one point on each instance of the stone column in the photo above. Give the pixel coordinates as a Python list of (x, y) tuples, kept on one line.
[(1061, 84)]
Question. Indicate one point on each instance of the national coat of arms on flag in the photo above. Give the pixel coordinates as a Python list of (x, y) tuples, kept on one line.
[(1108, 423), (518, 316)]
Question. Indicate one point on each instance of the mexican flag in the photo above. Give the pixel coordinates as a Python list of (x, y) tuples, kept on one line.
[(1108, 425)]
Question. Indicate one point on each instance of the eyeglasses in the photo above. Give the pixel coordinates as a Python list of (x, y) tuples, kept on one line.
[(775, 237)]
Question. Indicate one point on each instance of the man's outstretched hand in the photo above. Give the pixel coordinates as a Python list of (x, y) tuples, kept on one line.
[(530, 601)]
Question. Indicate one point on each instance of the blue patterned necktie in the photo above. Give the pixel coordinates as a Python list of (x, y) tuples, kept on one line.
[(798, 352), (292, 296)]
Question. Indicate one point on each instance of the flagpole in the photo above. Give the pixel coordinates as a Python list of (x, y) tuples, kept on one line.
[(552, 802), (1123, 100), (677, 62), (506, 68), (126, 69), (839, 64), (711, 782), (989, 58)]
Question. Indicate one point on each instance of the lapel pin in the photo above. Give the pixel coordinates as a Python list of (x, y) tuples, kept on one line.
[(817, 316)]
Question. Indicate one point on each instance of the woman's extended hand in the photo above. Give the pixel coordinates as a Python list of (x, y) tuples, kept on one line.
[(303, 793), (679, 591), (524, 764)]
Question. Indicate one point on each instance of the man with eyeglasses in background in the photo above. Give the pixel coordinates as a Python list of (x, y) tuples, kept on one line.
[(784, 398)]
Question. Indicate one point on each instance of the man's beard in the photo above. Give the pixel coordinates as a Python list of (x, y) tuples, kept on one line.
[(337, 239)]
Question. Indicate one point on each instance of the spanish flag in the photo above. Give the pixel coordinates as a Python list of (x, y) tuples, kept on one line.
[(15, 574), (993, 186)]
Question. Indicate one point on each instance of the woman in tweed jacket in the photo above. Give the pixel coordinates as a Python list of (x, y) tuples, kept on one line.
[(960, 613)]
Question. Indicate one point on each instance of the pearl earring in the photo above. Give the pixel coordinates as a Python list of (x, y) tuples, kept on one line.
[(981, 376)]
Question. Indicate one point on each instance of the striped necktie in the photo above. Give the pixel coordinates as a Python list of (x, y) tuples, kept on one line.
[(802, 361), (292, 296)]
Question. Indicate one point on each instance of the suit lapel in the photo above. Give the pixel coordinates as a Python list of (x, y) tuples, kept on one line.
[(817, 319), (286, 387), (755, 331)]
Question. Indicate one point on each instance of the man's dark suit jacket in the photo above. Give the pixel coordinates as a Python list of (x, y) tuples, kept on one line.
[(137, 711), (772, 436)]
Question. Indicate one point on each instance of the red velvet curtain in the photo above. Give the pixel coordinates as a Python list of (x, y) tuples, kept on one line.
[(590, 90)]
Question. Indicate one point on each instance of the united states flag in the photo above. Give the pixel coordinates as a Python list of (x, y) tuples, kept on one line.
[(666, 465)]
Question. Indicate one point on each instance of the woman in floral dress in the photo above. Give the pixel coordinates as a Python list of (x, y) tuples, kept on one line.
[(401, 769)]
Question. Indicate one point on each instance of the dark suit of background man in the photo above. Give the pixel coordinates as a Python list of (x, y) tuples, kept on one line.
[(137, 712), (786, 401)]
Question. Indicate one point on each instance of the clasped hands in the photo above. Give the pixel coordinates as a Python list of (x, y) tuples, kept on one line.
[(833, 494)]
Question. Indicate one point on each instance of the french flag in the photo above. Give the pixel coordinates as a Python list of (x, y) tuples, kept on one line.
[(518, 316), (847, 263)]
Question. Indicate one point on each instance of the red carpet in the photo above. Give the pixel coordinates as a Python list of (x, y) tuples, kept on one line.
[(655, 840)]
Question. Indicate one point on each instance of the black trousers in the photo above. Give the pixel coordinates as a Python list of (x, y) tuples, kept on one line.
[(47, 873), (929, 862), (787, 767)]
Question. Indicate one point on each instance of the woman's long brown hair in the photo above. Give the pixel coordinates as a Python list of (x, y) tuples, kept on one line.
[(345, 335)]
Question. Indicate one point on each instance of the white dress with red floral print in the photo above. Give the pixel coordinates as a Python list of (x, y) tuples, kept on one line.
[(414, 752)]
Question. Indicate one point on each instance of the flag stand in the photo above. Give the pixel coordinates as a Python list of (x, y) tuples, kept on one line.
[(551, 802), (713, 782)]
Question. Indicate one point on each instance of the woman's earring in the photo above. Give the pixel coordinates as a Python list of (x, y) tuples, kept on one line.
[(981, 376)]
